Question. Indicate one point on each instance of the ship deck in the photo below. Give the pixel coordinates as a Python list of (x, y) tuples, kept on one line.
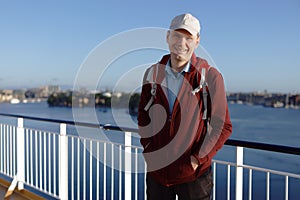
[(17, 194)]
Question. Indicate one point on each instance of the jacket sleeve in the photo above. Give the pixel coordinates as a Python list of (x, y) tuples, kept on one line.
[(220, 126), (143, 115)]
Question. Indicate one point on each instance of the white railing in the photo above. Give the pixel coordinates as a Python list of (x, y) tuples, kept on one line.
[(65, 166)]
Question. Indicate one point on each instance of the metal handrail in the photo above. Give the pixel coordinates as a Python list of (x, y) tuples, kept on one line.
[(230, 142)]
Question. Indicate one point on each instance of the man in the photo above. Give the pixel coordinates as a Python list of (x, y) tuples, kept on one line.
[(183, 117)]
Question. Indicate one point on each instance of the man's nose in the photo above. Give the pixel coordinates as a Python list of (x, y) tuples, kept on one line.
[(181, 40)]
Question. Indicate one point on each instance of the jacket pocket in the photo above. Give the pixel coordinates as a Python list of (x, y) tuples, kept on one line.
[(183, 167), (146, 147)]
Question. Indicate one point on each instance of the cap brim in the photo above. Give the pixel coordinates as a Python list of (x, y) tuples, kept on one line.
[(189, 29)]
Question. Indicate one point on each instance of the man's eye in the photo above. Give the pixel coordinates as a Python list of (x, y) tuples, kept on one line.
[(176, 36)]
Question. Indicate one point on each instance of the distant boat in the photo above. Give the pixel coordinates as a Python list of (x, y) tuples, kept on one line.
[(14, 101), (278, 104), (239, 102)]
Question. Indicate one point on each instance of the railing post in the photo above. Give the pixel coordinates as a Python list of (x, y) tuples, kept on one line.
[(239, 173), (63, 162), (128, 170), (20, 154)]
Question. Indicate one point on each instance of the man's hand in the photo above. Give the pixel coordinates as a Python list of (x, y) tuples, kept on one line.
[(194, 162)]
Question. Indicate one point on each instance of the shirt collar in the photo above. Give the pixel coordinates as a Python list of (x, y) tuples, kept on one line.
[(185, 69)]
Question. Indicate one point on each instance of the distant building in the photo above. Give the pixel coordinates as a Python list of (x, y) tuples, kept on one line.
[(19, 94), (46, 91), (6, 95)]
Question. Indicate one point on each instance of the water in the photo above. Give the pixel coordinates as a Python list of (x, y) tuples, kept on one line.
[(250, 123)]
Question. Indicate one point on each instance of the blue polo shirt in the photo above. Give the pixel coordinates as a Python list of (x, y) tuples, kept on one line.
[(174, 81)]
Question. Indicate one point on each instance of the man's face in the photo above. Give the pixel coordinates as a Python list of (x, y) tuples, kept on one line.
[(182, 44)]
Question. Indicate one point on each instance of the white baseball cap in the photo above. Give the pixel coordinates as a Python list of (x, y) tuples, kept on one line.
[(186, 21)]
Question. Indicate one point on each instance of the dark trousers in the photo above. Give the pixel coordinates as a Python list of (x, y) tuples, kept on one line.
[(200, 189)]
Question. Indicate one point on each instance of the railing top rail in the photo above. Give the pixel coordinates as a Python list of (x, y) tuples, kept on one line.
[(70, 122), (264, 146), (230, 142)]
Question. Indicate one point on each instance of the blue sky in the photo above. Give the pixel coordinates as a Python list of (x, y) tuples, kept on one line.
[(255, 44)]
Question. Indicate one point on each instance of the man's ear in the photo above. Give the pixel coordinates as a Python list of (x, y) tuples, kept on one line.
[(168, 36), (197, 41)]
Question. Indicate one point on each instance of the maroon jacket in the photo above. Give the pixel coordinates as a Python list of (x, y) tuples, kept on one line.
[(169, 139)]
